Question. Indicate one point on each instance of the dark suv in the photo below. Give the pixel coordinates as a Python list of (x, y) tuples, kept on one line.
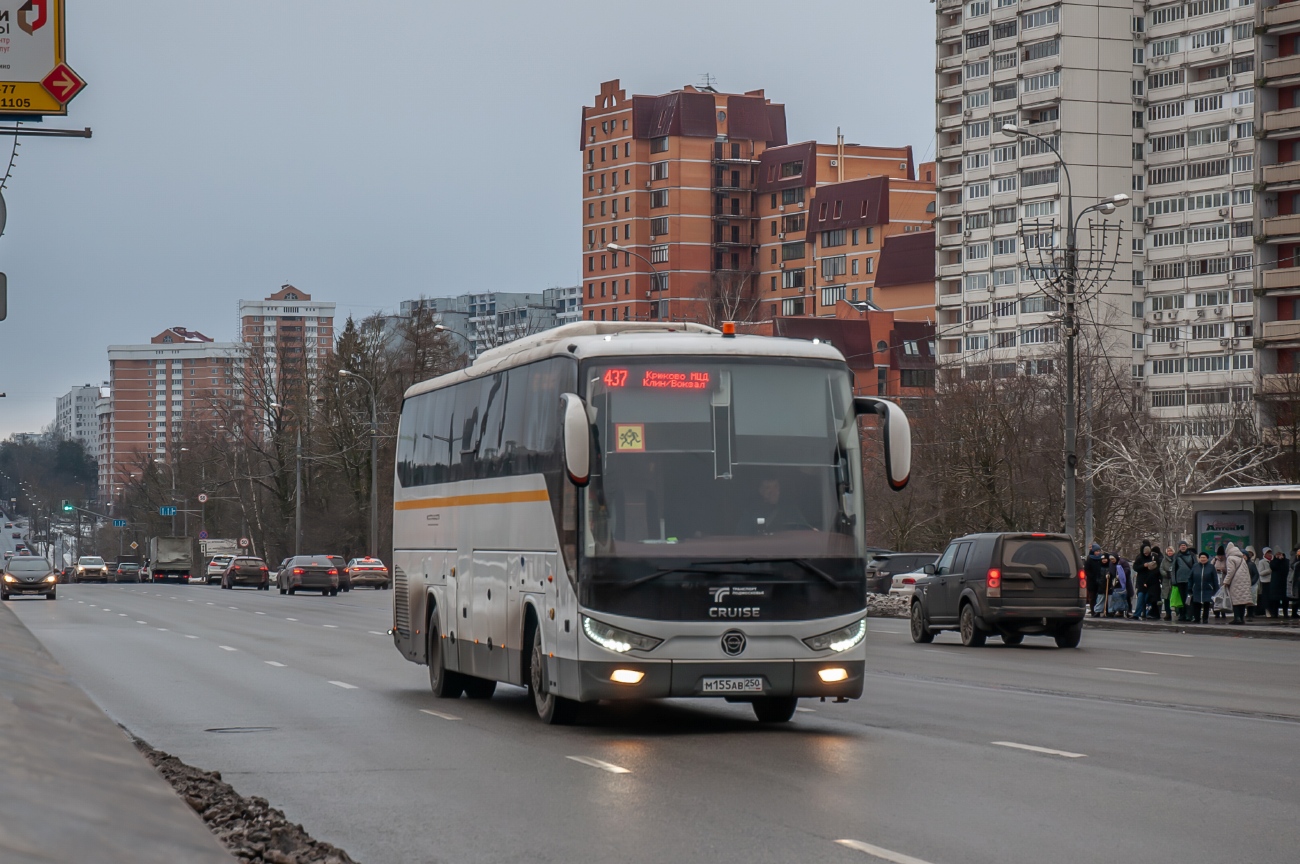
[(1011, 585)]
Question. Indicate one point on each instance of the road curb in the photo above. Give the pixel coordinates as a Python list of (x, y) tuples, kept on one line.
[(1248, 631), (75, 789)]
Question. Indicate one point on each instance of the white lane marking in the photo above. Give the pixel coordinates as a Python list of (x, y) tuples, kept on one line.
[(894, 632), (1167, 654), (92, 605), (236, 608), (806, 710), (81, 601), (209, 603), (1128, 671), (189, 600), (345, 685), (333, 626), (106, 609), (163, 629), (291, 619), (376, 633), (879, 852), (227, 648), (259, 613), (439, 714), (188, 636), (142, 622), (273, 663), (1049, 751), (121, 614), (597, 763)]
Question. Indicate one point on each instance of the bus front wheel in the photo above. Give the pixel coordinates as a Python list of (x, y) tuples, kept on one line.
[(443, 683), (775, 709), (553, 710)]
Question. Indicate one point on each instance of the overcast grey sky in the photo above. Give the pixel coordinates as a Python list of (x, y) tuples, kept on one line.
[(373, 152)]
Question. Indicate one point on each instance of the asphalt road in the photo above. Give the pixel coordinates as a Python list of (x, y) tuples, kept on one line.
[(1168, 747)]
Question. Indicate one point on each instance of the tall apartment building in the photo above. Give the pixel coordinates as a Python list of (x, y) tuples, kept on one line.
[(74, 417), (673, 178), (824, 213), (1153, 100), (159, 390), (1277, 280), (485, 320), (288, 336)]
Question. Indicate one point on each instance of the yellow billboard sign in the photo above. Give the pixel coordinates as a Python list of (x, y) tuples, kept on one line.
[(35, 78)]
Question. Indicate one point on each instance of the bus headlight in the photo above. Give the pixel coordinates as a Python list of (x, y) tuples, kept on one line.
[(615, 638), (839, 640)]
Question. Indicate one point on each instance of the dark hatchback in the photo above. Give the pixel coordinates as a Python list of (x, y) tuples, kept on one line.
[(28, 574), (1010, 585), (882, 568), (308, 573), (247, 571)]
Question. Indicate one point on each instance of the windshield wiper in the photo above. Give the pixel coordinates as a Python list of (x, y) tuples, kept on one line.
[(800, 562), (691, 568)]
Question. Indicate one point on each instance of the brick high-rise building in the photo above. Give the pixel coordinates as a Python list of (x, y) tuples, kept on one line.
[(287, 336), (673, 178), (826, 210), (179, 378)]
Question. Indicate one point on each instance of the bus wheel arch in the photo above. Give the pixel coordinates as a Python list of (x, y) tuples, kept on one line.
[(444, 683)]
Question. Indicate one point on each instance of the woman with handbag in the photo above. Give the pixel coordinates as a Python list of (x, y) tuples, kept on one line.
[(1236, 581)]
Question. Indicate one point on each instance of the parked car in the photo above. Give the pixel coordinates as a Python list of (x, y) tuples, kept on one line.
[(28, 574), (127, 571), (90, 568), (369, 571), (216, 568), (310, 573), (904, 584), (246, 570), (1012, 585), (881, 569)]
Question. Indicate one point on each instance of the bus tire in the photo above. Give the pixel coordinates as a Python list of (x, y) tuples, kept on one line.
[(775, 709), (551, 709), (443, 683)]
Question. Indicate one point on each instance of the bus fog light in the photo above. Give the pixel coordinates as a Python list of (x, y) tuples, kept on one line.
[(626, 676), (839, 640), (830, 676), (615, 638)]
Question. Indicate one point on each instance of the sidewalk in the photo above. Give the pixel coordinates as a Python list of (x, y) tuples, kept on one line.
[(73, 788), (1254, 628)]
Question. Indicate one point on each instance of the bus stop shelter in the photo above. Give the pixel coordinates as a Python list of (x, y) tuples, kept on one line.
[(1258, 516)]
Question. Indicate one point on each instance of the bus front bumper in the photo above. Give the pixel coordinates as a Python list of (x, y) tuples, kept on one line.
[(700, 679)]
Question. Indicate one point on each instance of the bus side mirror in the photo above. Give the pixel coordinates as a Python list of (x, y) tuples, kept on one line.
[(897, 433), (577, 439)]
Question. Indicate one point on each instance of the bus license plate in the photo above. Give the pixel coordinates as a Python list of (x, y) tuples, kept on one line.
[(732, 685)]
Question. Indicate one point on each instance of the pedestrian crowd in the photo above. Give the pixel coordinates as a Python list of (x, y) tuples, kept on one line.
[(1190, 586)]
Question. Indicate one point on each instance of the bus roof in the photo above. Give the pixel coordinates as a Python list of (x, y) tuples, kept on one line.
[(586, 339)]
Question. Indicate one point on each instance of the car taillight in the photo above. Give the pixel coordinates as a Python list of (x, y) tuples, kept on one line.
[(909, 581), (333, 572), (994, 582), (297, 571), (264, 570), (1083, 585)]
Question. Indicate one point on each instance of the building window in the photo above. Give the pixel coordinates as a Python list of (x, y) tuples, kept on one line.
[(792, 169), (659, 198), (658, 170), (831, 239), (792, 251), (792, 278), (658, 226), (659, 254), (792, 306), (659, 145), (833, 266)]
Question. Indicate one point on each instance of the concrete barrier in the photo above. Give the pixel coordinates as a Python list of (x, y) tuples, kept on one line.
[(72, 786)]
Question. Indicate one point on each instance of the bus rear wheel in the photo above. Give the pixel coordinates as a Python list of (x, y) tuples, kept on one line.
[(443, 683), (775, 709), (553, 710)]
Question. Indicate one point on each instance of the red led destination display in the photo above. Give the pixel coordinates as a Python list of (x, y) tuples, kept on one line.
[(659, 380)]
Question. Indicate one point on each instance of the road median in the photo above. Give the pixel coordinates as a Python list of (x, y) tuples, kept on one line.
[(73, 788)]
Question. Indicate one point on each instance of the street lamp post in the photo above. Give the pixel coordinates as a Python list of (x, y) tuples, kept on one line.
[(1069, 322), (374, 458), (654, 274)]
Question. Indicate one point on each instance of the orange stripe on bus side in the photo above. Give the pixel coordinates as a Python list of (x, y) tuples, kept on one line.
[(471, 500)]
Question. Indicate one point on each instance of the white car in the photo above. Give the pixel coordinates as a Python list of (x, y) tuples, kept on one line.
[(217, 568), (903, 584)]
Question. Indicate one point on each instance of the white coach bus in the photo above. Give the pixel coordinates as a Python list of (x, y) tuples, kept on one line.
[(613, 510)]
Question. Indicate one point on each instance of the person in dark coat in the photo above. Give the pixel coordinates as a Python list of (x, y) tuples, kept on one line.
[(1094, 577), (1147, 574), (1202, 582), (1252, 566), (1184, 560), (1275, 604)]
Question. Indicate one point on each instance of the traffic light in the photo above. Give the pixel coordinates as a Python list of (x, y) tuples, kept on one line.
[(68, 506)]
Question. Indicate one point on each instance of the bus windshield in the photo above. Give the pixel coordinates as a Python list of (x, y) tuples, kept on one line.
[(735, 458)]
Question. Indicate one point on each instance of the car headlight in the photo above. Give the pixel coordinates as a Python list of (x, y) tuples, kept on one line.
[(9, 578), (839, 640), (51, 578), (616, 638)]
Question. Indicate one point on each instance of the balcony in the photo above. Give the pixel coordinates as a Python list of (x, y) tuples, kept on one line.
[(1281, 331), (1281, 67), (744, 213), (1275, 385), (1281, 227), (1281, 121), (951, 121), (1286, 172), (1282, 18), (1281, 279)]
